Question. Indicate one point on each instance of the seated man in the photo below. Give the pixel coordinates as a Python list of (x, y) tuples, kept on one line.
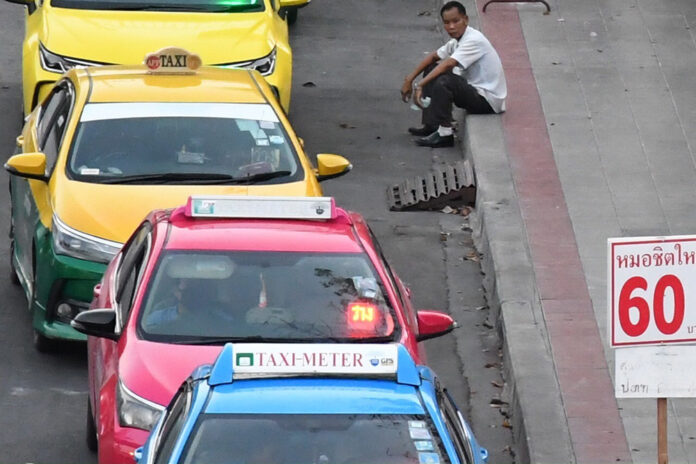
[(465, 71), (192, 310)]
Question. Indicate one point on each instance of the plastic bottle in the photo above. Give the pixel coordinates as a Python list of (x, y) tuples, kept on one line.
[(424, 101)]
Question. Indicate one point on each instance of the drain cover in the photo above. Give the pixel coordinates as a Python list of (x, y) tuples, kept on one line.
[(446, 184)]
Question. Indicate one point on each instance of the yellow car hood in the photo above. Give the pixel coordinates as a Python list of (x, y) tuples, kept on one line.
[(125, 37), (113, 211)]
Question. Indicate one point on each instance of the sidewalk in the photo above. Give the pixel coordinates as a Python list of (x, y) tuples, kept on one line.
[(599, 136)]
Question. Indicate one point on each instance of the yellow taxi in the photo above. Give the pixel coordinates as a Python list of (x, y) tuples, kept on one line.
[(111, 143), (64, 34)]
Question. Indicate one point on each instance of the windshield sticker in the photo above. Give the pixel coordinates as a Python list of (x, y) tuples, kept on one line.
[(247, 125), (419, 434), (277, 139), (89, 171), (189, 157), (262, 142), (423, 445), (266, 125), (416, 424), (428, 458), (204, 207)]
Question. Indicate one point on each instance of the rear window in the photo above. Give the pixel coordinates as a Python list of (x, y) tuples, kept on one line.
[(314, 439), (199, 297)]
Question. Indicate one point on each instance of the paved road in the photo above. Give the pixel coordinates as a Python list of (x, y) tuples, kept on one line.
[(345, 49)]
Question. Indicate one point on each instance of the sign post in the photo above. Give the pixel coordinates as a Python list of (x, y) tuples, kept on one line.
[(652, 321), (662, 457)]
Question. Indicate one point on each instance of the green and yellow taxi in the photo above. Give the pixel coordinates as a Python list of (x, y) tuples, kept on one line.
[(65, 34), (111, 143)]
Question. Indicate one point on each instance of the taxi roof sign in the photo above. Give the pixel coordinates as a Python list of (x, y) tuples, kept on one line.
[(253, 360), (260, 207), (172, 60)]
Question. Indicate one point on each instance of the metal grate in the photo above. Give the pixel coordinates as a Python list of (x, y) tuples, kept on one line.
[(446, 184)]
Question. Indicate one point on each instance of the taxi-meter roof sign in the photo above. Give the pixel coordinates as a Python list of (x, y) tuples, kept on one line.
[(172, 60), (225, 206), (260, 359)]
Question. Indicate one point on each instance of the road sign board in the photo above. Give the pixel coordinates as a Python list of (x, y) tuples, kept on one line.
[(652, 290)]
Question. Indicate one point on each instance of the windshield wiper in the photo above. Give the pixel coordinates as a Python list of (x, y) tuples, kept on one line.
[(260, 339), (261, 177), (223, 340), (155, 5), (380, 339), (195, 8), (192, 178), (179, 177)]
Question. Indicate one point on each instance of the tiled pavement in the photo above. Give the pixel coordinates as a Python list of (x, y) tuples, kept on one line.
[(600, 134)]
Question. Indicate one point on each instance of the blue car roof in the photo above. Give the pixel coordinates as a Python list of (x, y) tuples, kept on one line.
[(314, 396), (317, 379)]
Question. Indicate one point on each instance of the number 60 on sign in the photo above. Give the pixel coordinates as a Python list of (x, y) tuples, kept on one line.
[(652, 290)]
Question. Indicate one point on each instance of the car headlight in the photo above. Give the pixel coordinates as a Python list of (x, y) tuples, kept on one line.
[(265, 65), (70, 242), (135, 411), (60, 64)]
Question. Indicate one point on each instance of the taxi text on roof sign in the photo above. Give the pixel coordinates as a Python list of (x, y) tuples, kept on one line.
[(172, 60), (226, 206), (315, 358)]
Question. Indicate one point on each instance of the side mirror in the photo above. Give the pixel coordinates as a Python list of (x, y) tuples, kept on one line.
[(30, 4), (97, 323), (138, 454), (432, 324), (29, 165), (331, 166), (484, 454)]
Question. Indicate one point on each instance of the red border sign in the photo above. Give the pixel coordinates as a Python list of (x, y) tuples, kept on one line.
[(652, 290)]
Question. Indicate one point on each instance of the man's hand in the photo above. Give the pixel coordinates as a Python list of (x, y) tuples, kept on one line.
[(406, 90)]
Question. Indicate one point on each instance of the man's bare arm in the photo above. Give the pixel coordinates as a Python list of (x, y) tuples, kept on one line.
[(443, 67), (408, 80)]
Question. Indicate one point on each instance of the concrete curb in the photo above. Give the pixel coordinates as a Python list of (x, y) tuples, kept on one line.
[(540, 426)]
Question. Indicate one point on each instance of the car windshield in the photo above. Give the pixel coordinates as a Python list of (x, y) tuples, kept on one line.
[(181, 143), (164, 5), (201, 298), (314, 438)]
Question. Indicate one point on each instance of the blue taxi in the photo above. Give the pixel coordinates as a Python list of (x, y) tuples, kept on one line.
[(312, 404)]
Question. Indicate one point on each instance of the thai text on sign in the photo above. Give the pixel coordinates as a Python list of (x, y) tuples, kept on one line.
[(655, 372), (651, 296)]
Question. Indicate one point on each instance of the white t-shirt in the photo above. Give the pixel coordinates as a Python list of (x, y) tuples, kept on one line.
[(479, 64)]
